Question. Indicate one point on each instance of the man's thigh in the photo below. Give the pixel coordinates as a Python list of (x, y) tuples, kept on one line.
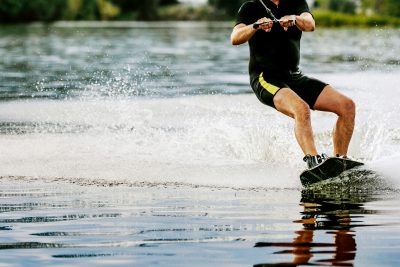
[(290, 103), (309, 89), (266, 88), (331, 100)]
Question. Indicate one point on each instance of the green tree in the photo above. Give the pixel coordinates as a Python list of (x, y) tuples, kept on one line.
[(31, 10), (48, 10), (81, 10), (344, 6), (148, 10), (382, 7), (168, 2), (391, 8), (145, 9), (107, 10)]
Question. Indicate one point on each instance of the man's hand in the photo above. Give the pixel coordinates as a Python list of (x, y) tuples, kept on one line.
[(305, 22), (288, 21), (265, 24)]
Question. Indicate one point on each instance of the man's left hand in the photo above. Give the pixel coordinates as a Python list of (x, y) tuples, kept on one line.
[(287, 21)]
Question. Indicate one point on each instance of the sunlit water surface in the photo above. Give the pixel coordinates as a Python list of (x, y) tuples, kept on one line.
[(145, 146)]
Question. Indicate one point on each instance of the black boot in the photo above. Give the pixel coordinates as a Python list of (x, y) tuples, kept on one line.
[(313, 161)]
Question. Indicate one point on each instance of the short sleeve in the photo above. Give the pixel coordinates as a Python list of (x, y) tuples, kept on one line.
[(302, 7), (245, 14)]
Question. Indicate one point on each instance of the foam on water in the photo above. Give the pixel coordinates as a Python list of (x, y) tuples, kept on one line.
[(221, 140), (204, 139)]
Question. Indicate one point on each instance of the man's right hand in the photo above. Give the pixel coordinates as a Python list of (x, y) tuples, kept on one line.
[(265, 24), (241, 33)]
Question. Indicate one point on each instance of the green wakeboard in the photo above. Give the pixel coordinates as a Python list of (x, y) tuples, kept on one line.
[(330, 168)]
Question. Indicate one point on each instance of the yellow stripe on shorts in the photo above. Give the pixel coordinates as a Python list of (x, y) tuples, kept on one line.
[(272, 89)]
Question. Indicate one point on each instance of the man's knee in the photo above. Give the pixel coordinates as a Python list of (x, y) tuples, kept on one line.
[(347, 108), (289, 103), (302, 111)]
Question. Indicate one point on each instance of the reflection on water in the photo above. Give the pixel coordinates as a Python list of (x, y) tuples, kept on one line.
[(147, 224), (335, 211)]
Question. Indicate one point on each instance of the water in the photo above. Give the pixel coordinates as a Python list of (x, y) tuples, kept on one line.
[(145, 146)]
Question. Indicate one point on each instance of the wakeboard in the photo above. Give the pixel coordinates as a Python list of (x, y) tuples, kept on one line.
[(330, 168)]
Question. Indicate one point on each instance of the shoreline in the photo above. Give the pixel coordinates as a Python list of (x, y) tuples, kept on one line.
[(136, 24), (167, 24)]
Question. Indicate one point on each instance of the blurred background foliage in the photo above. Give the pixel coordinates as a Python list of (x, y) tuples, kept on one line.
[(50, 10), (326, 12)]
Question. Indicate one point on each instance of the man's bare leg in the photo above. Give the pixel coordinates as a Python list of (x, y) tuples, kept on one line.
[(333, 101), (290, 104)]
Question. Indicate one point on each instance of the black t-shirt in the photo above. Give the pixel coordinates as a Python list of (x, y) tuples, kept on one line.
[(278, 50)]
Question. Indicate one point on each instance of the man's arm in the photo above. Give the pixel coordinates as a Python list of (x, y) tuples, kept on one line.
[(241, 33), (304, 22)]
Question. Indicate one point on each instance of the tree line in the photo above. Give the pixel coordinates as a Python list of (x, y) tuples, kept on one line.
[(367, 7), (50, 10)]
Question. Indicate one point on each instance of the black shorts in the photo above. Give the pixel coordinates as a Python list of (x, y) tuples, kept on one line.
[(266, 85)]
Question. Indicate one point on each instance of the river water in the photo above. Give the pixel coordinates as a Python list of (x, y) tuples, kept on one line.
[(142, 144)]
